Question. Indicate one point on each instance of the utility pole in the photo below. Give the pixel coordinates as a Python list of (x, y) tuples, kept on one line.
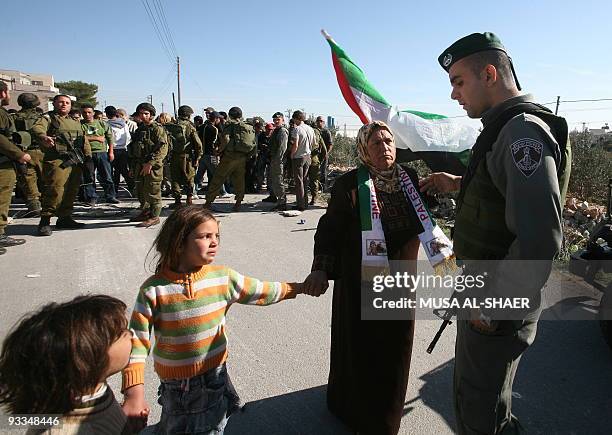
[(162, 107), (345, 129), (178, 79), (150, 99), (558, 101), (174, 104)]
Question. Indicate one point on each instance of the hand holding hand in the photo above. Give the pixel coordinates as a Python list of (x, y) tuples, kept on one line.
[(316, 283), (136, 408), (440, 182)]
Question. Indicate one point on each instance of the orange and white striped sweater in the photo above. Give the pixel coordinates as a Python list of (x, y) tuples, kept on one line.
[(187, 314)]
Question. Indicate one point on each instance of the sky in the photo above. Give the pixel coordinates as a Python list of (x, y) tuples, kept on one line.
[(270, 56)]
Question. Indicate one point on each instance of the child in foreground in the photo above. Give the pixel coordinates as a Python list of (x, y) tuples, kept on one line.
[(185, 302), (56, 361)]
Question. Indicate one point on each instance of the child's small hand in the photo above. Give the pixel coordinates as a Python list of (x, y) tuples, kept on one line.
[(136, 408), (316, 283)]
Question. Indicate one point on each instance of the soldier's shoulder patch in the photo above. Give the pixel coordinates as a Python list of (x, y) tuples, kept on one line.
[(527, 155)]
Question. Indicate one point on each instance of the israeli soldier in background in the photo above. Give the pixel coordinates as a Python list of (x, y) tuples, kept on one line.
[(278, 149), (237, 144), (508, 225), (318, 154), (146, 152), (10, 154), (64, 146), (32, 176), (185, 158), (327, 138)]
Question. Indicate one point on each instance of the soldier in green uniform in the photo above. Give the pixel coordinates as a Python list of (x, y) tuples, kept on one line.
[(186, 153), (237, 145), (146, 153), (10, 154), (65, 148), (318, 154), (30, 179), (278, 149), (508, 216)]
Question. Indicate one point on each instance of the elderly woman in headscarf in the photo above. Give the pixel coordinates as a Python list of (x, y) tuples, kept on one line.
[(370, 359)]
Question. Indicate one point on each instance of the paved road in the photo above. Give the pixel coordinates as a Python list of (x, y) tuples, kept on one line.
[(279, 354)]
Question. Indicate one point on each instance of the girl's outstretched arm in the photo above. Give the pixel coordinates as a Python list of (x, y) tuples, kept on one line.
[(246, 290)]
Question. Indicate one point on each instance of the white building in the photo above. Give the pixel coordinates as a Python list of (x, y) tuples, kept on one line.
[(19, 82)]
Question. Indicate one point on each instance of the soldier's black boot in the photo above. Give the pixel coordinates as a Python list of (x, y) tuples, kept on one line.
[(177, 204), (44, 226), (270, 198), (67, 223), (7, 242)]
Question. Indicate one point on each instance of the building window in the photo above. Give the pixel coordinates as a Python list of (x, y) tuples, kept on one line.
[(37, 83)]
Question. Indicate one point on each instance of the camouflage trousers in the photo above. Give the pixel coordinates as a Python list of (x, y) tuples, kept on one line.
[(33, 176), (182, 174), (314, 175), (148, 188), (232, 166), (60, 187), (7, 184)]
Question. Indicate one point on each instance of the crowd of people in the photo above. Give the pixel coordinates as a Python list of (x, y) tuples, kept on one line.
[(56, 360), (66, 153)]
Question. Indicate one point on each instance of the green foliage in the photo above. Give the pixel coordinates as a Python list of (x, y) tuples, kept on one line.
[(591, 168), (344, 152), (84, 92)]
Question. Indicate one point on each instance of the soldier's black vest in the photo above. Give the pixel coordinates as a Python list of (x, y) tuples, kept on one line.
[(480, 231)]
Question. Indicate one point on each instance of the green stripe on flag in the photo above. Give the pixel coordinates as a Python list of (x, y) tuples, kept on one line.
[(354, 75), (424, 115)]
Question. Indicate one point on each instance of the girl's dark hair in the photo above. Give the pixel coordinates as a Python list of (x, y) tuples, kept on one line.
[(55, 355), (173, 234)]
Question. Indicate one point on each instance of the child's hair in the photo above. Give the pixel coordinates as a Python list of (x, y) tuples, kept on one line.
[(173, 234), (59, 353)]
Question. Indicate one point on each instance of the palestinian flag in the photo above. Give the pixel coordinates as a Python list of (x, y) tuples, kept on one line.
[(442, 143)]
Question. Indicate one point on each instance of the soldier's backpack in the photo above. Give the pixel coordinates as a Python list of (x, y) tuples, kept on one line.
[(177, 135), (241, 137)]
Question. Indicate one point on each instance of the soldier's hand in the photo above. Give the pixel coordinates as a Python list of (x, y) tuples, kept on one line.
[(146, 169), (26, 158), (49, 141), (440, 182), (316, 283)]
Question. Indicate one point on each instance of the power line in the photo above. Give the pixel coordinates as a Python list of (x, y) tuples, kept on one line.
[(162, 15), (157, 30)]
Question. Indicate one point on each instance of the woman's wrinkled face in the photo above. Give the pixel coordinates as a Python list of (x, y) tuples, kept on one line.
[(381, 150)]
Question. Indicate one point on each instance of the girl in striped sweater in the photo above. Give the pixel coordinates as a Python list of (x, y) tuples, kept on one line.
[(185, 303)]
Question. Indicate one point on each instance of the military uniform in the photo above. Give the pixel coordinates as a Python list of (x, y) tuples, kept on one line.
[(31, 180), (508, 225), (61, 179), (318, 155), (184, 161), (278, 148), (149, 145), (233, 161), (9, 153)]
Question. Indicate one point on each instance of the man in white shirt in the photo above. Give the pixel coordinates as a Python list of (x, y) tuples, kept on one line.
[(122, 136), (301, 139)]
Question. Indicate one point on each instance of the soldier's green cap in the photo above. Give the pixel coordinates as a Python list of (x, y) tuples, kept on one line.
[(470, 44)]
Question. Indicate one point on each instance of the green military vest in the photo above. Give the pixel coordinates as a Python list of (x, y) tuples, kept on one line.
[(142, 147), (480, 231), (24, 120), (66, 131)]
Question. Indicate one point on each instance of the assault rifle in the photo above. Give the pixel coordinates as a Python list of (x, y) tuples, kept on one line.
[(74, 156), (446, 315)]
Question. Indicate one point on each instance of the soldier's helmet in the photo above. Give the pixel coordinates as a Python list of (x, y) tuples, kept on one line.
[(235, 113), (27, 100), (146, 106), (185, 111)]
